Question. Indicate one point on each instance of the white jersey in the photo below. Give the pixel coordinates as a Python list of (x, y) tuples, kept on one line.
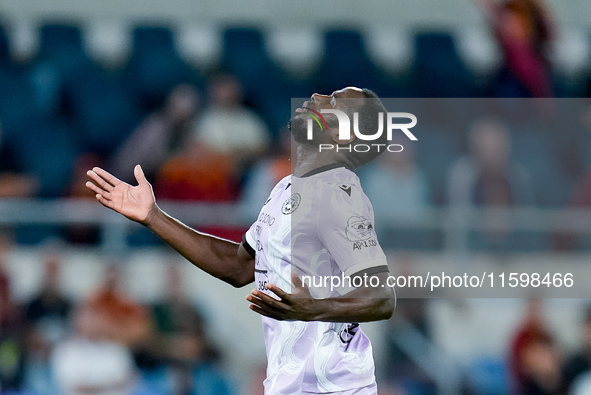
[(321, 225)]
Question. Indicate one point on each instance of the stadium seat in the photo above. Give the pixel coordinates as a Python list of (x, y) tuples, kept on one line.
[(436, 151), (533, 149), (155, 66), (59, 39), (4, 48), (17, 102), (438, 70), (267, 88), (245, 56), (103, 110), (488, 376), (346, 62), (61, 55), (45, 148)]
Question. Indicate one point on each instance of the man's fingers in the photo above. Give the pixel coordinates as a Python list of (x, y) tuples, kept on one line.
[(277, 291), (108, 177), (257, 309), (97, 190), (98, 180), (139, 175), (296, 280), (259, 298), (105, 202)]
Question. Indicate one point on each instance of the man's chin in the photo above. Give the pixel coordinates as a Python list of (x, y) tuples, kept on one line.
[(299, 130)]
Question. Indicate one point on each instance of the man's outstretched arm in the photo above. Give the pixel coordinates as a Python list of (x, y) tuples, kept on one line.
[(221, 258)]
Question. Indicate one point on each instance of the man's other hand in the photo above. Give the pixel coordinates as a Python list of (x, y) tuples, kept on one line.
[(135, 202)]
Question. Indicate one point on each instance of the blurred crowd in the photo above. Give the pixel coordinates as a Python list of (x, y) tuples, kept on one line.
[(218, 134), (107, 343), (533, 361)]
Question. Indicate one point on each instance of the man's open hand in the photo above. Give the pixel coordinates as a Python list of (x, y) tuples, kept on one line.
[(296, 306), (136, 203)]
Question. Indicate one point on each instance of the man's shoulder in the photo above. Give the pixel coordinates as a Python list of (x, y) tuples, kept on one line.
[(283, 184)]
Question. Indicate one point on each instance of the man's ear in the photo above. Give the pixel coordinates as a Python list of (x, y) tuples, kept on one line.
[(334, 135)]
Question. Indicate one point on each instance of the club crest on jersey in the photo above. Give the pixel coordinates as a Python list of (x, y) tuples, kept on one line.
[(358, 228), (291, 204)]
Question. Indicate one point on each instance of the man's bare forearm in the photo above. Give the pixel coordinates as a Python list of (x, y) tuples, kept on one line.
[(360, 305), (354, 309), (223, 259)]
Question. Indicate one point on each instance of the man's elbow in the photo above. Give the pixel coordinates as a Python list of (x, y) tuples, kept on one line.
[(239, 280), (388, 307)]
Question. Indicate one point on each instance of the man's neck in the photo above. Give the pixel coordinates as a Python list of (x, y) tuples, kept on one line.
[(308, 160)]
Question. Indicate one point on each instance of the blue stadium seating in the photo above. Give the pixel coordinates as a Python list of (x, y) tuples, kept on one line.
[(17, 102), (155, 66), (61, 56), (4, 48), (245, 56), (346, 62), (488, 376), (60, 40), (438, 70), (103, 108), (44, 148), (267, 88)]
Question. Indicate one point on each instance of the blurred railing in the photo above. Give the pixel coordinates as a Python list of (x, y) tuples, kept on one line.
[(454, 224)]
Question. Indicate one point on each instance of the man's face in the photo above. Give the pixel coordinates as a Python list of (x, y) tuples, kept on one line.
[(346, 100)]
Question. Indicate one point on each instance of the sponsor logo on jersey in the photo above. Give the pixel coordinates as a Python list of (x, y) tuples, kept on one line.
[(291, 204), (358, 228)]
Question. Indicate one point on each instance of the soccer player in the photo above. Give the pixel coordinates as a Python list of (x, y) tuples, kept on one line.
[(316, 224)]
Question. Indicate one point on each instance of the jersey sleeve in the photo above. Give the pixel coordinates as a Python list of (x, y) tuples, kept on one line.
[(345, 228), (248, 241)]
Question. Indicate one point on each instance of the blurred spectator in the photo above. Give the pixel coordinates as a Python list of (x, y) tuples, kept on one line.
[(535, 362), (159, 136), (201, 174), (125, 321), (84, 162), (82, 233), (49, 309), (411, 320), (579, 363), (580, 199), (175, 313), (227, 126), (582, 192), (46, 319), (487, 178), (197, 173), (12, 182), (398, 189), (264, 175), (523, 30), (192, 372), (90, 362), (258, 376), (184, 345), (11, 339)]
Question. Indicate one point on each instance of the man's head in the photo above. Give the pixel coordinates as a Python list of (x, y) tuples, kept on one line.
[(349, 100)]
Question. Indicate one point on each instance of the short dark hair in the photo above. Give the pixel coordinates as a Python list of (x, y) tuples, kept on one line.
[(369, 123)]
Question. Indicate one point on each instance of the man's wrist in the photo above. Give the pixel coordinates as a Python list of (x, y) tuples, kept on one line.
[(152, 217)]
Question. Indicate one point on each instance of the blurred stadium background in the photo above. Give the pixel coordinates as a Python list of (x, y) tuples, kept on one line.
[(87, 84)]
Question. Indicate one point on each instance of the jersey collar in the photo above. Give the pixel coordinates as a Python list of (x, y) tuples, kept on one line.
[(326, 168)]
